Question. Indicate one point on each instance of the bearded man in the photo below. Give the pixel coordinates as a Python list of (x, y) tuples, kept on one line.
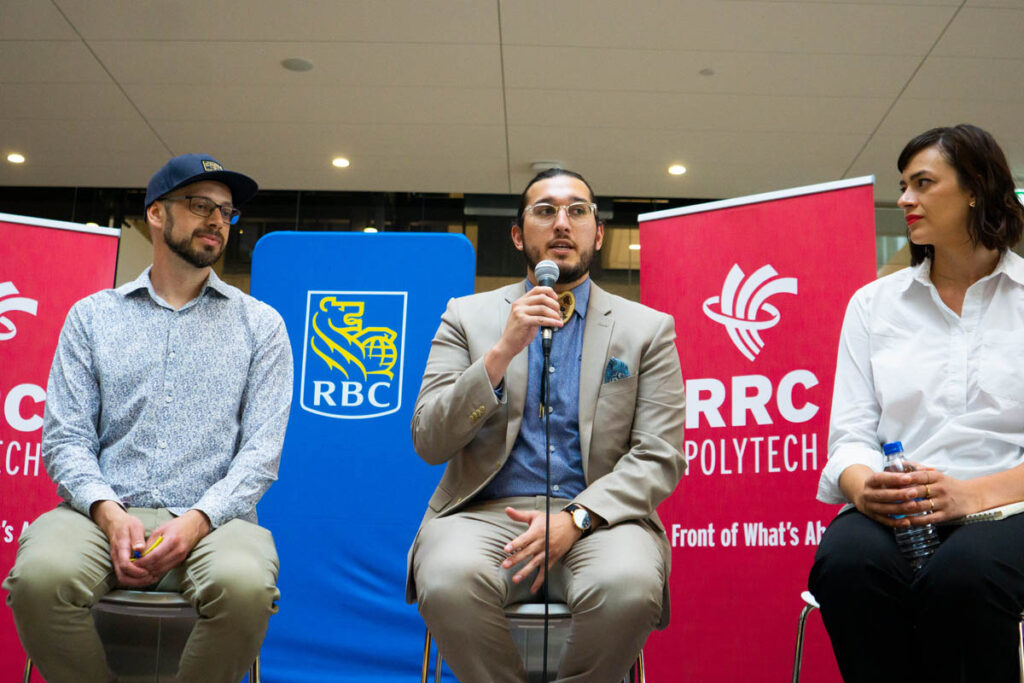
[(616, 422), (166, 410)]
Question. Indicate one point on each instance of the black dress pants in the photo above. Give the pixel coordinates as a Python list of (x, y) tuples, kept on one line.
[(955, 620)]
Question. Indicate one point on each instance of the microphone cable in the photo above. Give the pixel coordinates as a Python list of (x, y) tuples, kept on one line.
[(547, 499), (546, 273)]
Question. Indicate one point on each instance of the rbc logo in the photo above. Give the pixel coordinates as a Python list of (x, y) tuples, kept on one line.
[(352, 353)]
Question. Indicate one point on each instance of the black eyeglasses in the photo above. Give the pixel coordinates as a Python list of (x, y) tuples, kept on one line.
[(204, 206)]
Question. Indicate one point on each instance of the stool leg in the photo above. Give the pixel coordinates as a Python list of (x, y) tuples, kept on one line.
[(799, 653), (28, 670), (254, 673), (437, 666), (1020, 650), (426, 658), (640, 666)]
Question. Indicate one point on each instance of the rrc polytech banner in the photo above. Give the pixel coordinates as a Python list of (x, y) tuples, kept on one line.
[(758, 287), (45, 267)]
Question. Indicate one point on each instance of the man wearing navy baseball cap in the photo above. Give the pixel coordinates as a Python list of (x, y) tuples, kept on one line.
[(166, 410)]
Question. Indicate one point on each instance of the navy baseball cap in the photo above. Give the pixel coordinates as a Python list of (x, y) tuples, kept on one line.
[(191, 168)]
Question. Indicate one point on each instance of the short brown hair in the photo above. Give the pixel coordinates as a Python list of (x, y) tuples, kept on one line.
[(997, 219)]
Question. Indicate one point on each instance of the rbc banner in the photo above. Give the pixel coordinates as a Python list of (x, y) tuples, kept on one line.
[(758, 287), (45, 267), (360, 311)]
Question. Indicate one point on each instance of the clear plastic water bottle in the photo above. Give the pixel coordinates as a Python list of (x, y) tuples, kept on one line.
[(917, 543)]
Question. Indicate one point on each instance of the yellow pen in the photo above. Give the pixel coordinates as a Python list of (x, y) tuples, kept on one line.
[(148, 550)]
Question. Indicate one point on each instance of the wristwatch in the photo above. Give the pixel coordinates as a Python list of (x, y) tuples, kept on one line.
[(580, 517)]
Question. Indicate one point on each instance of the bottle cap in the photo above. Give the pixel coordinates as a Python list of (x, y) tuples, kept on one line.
[(893, 447)]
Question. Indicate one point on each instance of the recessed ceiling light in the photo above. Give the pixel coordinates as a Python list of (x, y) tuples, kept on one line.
[(16, 158), (340, 162), (634, 247), (370, 229), (297, 64), (676, 169)]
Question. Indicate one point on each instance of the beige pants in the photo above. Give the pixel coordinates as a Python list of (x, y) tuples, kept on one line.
[(612, 581), (63, 567)]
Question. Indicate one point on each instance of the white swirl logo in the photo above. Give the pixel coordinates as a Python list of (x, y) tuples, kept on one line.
[(741, 305), (14, 303)]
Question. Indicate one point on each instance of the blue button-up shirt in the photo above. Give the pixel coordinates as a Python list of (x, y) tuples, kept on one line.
[(523, 472), (162, 408)]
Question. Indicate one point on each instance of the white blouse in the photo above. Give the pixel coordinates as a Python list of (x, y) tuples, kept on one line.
[(951, 388)]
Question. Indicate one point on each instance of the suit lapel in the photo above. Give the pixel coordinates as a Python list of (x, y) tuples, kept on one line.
[(516, 375), (597, 335)]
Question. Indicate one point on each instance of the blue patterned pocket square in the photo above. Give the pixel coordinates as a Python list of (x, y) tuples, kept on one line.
[(615, 370)]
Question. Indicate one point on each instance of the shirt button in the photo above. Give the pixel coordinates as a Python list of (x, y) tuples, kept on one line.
[(171, 354), (555, 487), (551, 369), (163, 444), (168, 399), (551, 448)]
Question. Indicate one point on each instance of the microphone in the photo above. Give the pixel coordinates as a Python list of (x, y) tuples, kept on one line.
[(546, 273)]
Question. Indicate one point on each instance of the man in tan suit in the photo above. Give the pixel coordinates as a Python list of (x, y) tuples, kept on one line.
[(616, 413)]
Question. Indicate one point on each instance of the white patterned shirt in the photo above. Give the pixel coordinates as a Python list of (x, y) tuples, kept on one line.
[(951, 388), (161, 408)]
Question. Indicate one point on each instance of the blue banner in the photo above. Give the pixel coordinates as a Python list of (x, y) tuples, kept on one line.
[(361, 311)]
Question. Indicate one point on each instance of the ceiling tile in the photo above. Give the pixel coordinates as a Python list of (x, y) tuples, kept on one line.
[(48, 61), (985, 32), (33, 20), (807, 28), (643, 111), (319, 143), (284, 104), (412, 21), (997, 80), (65, 102), (335, 64), (828, 75)]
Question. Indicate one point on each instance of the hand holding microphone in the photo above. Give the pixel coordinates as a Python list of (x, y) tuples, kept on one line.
[(546, 273), (530, 311)]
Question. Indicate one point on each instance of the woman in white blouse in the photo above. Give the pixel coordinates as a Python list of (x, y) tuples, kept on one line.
[(932, 356)]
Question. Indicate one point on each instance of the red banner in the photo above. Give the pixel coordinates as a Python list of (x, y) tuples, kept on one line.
[(758, 287), (45, 267)]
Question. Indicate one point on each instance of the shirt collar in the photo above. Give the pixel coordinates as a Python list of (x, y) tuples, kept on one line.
[(142, 282), (1013, 266), (1009, 263), (580, 292)]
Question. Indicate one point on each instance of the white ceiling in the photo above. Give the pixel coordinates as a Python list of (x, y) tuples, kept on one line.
[(462, 95)]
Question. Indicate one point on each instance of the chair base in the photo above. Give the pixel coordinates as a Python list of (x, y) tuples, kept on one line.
[(525, 619), (811, 604), (161, 623)]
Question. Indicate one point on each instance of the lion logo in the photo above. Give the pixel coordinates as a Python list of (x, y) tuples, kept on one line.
[(344, 344)]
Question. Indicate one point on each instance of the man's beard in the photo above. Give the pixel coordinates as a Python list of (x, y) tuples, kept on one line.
[(200, 258), (565, 275)]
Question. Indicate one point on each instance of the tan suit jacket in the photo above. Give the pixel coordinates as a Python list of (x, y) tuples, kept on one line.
[(631, 429)]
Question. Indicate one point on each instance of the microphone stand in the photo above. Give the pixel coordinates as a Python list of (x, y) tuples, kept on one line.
[(546, 412)]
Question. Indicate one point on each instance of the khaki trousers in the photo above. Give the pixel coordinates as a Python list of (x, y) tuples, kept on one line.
[(63, 567), (612, 581)]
